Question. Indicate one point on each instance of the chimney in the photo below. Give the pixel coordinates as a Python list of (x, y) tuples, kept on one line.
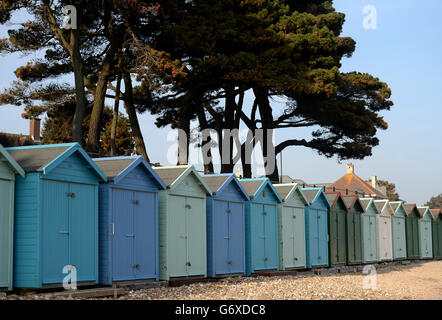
[(34, 129), (374, 182), (239, 173), (350, 168)]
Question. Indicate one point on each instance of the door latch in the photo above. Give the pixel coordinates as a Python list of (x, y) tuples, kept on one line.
[(63, 232), (188, 206), (266, 259), (229, 211), (265, 213), (230, 262), (71, 194), (188, 264), (136, 266), (136, 202)]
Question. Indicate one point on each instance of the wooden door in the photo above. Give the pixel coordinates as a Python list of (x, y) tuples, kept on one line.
[(55, 231), (196, 236), (177, 236), (6, 232), (221, 236), (258, 237), (236, 244), (271, 237)]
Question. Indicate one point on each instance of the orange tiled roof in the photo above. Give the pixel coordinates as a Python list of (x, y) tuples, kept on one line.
[(353, 183)]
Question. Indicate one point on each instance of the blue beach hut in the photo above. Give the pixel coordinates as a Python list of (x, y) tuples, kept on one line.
[(128, 216), (56, 216), (226, 251), (316, 229), (261, 225)]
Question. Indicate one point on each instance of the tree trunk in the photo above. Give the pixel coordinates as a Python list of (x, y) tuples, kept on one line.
[(133, 118), (93, 143), (183, 135), (80, 95), (115, 118), (227, 161), (205, 144), (268, 148)]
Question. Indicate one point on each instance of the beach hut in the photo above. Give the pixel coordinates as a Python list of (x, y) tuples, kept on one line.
[(337, 229), (8, 169), (56, 216), (182, 220), (261, 225), (425, 237), (354, 233), (316, 227), (385, 238), (128, 220), (398, 230), (226, 239), (369, 231), (436, 232), (412, 230), (291, 221)]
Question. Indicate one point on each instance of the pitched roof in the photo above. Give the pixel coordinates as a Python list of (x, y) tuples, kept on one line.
[(366, 202), (13, 164), (436, 213), (215, 181), (252, 185), (112, 167), (423, 210), (409, 207), (43, 158), (285, 190), (352, 183), (170, 174), (350, 201), (35, 159), (332, 197), (310, 194)]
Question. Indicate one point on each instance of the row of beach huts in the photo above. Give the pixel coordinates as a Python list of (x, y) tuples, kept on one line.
[(119, 219)]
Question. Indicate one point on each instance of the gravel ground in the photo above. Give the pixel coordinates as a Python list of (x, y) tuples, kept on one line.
[(421, 280)]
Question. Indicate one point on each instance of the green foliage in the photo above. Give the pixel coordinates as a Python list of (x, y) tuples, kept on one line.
[(392, 195), (435, 202)]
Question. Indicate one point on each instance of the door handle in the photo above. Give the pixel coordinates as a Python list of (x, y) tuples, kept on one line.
[(113, 229), (188, 206), (71, 194), (136, 266), (63, 232), (294, 217), (130, 235), (136, 202), (183, 237), (229, 211), (226, 238), (188, 264), (230, 262), (266, 259), (265, 213)]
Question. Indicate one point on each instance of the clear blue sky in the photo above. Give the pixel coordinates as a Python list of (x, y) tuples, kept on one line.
[(405, 51)]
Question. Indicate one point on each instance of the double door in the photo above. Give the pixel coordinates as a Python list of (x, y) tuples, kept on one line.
[(370, 238), (412, 229), (134, 235), (338, 239), (426, 247), (385, 238), (399, 241), (293, 237), (229, 238), (354, 238), (318, 237), (187, 236), (69, 230), (265, 237)]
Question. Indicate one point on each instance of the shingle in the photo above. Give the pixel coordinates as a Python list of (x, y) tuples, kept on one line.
[(35, 159), (332, 197), (436, 213), (422, 210), (350, 201), (251, 186), (395, 205), (215, 182), (170, 174), (380, 204), (310, 194), (284, 190), (365, 203), (113, 167), (409, 207)]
